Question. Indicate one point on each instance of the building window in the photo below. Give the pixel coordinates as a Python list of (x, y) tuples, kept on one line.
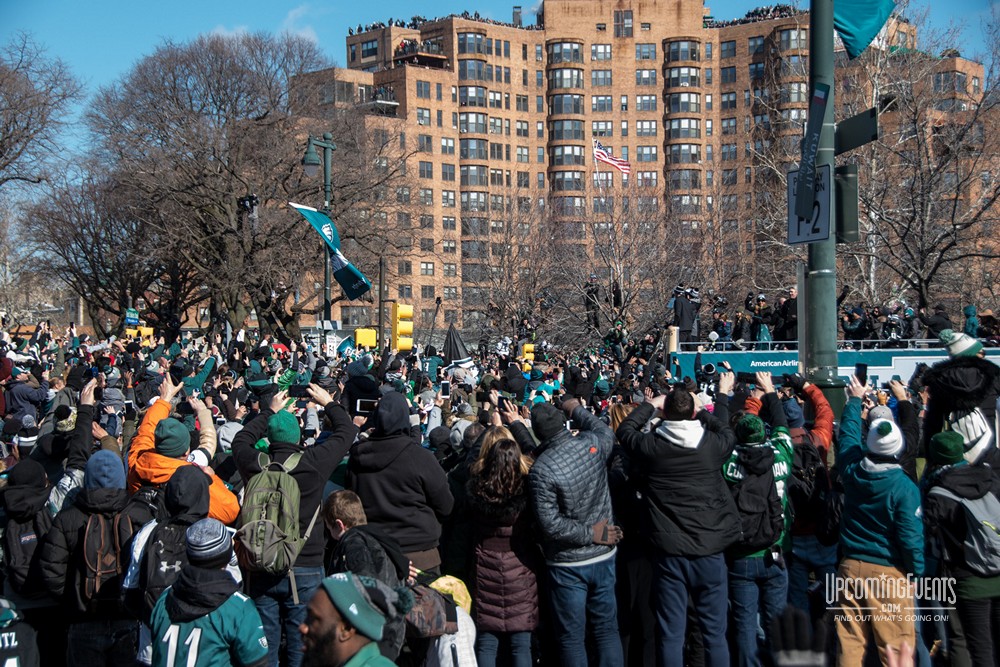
[(728, 75), (404, 291), (727, 49), (424, 89), (601, 103), (447, 146), (755, 45), (645, 102), (645, 154), (728, 126), (645, 128), (623, 23), (685, 153), (425, 143), (427, 245), (685, 128), (448, 245), (602, 128), (369, 48), (427, 268), (427, 292), (727, 101), (683, 77), (426, 170), (404, 267), (793, 92), (447, 172), (646, 179), (448, 198), (645, 51), (403, 194), (682, 51), (793, 39), (600, 77), (645, 77), (756, 70), (450, 268), (600, 52), (565, 52), (423, 116), (450, 293)]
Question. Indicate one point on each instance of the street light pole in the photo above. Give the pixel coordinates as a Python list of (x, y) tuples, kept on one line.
[(310, 163)]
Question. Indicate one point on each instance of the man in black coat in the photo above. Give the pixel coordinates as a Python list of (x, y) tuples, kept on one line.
[(935, 323), (684, 315), (690, 514), (273, 594), (401, 485)]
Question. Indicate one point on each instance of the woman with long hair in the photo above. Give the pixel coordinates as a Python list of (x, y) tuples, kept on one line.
[(505, 593)]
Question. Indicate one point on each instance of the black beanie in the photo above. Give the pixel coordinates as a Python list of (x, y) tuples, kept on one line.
[(27, 472), (546, 421)]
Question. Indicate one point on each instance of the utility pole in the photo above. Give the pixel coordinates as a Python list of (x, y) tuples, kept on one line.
[(381, 300), (820, 344)]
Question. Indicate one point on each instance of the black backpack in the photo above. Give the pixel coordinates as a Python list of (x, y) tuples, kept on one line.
[(21, 553), (759, 506), (832, 508), (163, 558), (808, 482)]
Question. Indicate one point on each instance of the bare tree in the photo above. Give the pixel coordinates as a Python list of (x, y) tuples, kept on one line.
[(36, 93)]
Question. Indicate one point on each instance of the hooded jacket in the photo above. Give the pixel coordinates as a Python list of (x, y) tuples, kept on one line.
[(689, 510), (569, 490), (881, 522), (28, 521), (62, 560), (228, 623), (505, 591), (313, 470), (147, 467), (944, 518), (402, 486), (971, 327), (960, 383), (356, 388), (24, 399)]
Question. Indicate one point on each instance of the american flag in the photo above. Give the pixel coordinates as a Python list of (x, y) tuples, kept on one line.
[(601, 154)]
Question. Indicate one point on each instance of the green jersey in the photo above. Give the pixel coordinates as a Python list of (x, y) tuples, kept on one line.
[(231, 634), (784, 454)]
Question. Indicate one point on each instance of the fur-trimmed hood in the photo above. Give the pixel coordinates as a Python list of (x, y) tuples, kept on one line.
[(497, 513), (962, 382)]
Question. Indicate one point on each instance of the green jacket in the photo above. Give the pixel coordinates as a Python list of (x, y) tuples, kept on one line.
[(882, 520), (230, 634), (369, 656), (784, 454)]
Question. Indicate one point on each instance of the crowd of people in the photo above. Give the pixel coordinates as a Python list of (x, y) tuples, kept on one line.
[(766, 324), (205, 501)]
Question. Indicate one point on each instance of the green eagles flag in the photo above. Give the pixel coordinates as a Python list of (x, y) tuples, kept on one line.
[(347, 275), (859, 21)]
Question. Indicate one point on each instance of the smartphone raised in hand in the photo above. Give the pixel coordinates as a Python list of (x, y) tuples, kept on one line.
[(861, 372)]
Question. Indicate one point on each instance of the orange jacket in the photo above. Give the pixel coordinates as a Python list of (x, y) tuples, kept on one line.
[(145, 466)]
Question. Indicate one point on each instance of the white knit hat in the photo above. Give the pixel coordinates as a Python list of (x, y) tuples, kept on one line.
[(885, 438), (959, 344)]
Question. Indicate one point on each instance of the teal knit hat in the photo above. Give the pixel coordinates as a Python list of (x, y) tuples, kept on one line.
[(171, 438), (750, 430), (283, 427), (354, 604)]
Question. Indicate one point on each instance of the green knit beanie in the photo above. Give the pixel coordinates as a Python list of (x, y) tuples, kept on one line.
[(171, 438), (283, 427), (750, 430), (946, 448)]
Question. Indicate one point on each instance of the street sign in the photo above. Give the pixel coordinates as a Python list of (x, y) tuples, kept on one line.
[(817, 226), (810, 146), (131, 317), (856, 131)]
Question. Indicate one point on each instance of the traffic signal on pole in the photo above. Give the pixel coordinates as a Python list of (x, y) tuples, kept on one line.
[(529, 352), (402, 327)]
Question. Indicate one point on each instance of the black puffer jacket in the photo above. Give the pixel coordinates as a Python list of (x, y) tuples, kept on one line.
[(569, 489), (313, 470), (28, 521), (689, 508), (401, 485)]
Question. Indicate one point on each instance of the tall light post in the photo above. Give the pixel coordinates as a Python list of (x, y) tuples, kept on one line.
[(310, 165)]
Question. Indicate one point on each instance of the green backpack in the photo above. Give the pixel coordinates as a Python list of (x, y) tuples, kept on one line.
[(268, 538)]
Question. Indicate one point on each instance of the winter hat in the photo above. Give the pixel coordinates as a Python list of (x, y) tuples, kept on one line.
[(209, 543), (356, 369), (351, 599), (439, 438), (171, 438), (793, 413), (602, 388), (28, 435), (885, 438), (959, 344), (880, 412), (946, 448), (65, 419), (27, 472), (546, 421), (283, 427), (750, 430), (104, 471), (11, 427)]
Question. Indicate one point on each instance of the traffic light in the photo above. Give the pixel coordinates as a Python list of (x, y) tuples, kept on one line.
[(365, 338), (402, 327), (529, 352)]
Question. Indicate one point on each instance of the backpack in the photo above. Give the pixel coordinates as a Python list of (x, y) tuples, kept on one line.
[(105, 558), (982, 536), (165, 555), (21, 553), (759, 506), (808, 481), (144, 505), (831, 509), (268, 539)]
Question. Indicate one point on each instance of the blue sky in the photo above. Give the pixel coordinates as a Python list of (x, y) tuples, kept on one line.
[(102, 39)]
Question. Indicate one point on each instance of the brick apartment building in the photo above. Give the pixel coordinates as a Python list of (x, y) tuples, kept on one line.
[(495, 111)]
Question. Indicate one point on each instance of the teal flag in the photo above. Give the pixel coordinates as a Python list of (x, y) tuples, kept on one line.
[(859, 21), (346, 274), (346, 346)]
